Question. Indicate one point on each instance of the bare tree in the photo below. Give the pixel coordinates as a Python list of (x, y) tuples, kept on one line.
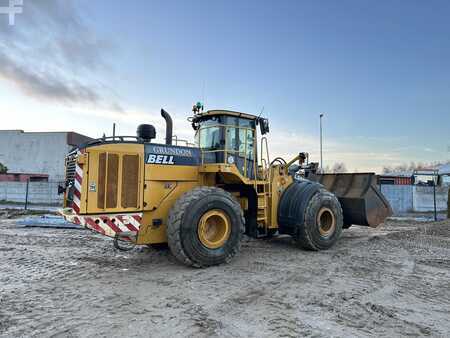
[(339, 167), (3, 169), (413, 166)]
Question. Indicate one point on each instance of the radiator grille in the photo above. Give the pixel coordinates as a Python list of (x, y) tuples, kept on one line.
[(71, 161), (118, 180), (101, 180), (113, 181), (130, 181)]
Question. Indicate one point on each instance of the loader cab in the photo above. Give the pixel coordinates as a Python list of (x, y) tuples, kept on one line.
[(226, 137)]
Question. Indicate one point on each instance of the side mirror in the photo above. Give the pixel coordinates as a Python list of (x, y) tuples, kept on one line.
[(264, 126)]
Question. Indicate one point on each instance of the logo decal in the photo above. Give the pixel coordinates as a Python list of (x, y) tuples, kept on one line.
[(172, 151), (160, 159)]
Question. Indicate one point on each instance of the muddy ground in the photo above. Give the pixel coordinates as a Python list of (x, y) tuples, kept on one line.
[(390, 281)]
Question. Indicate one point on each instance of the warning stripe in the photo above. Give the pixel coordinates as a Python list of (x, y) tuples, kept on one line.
[(77, 193), (113, 226), (131, 227), (79, 169), (77, 187), (75, 208), (94, 226), (122, 225), (132, 221), (78, 178), (126, 221), (104, 223)]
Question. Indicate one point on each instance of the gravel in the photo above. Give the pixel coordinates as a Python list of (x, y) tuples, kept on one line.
[(389, 281)]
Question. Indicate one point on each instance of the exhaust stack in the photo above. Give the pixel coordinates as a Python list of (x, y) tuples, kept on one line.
[(169, 126)]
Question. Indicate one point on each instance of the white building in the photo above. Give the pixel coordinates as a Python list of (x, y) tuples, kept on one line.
[(37, 152)]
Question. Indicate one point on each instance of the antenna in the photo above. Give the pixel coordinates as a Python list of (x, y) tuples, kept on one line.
[(203, 91), (262, 110)]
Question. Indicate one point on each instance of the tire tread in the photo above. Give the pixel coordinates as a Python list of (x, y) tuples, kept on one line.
[(176, 217)]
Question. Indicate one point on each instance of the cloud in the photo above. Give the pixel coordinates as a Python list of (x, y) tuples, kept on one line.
[(128, 122), (46, 85), (52, 54)]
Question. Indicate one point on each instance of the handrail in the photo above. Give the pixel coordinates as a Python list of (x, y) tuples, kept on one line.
[(265, 160), (186, 142), (264, 166)]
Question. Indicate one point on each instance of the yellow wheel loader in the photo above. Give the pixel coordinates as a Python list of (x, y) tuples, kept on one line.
[(200, 199)]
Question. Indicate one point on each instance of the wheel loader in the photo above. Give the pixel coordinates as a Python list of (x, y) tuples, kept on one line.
[(201, 198)]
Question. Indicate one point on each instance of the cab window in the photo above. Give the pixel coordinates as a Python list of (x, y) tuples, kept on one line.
[(250, 134), (240, 141), (209, 138), (235, 140)]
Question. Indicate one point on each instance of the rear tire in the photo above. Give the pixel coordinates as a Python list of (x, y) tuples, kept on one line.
[(205, 227), (323, 222)]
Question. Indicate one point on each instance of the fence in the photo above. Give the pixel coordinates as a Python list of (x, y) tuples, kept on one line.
[(403, 198), (44, 193), (415, 198)]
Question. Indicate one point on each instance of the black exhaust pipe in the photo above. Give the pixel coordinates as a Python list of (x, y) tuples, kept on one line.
[(169, 126)]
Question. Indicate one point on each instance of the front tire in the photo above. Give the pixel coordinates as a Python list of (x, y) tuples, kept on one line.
[(323, 222), (310, 214), (205, 227)]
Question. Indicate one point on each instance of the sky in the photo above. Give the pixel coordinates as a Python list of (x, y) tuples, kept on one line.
[(378, 70)]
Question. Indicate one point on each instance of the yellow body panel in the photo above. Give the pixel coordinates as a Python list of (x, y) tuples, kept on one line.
[(163, 186), (158, 172), (279, 182), (151, 233)]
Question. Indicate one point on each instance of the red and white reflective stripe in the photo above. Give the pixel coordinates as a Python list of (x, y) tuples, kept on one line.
[(109, 224), (76, 205)]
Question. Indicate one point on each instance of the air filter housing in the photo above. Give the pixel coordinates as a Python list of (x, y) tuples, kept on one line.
[(146, 132)]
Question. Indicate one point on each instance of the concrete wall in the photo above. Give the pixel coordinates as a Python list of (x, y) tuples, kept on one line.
[(38, 153), (423, 199), (414, 198), (38, 192), (399, 196)]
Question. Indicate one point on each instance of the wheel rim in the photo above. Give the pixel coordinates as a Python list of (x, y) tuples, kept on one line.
[(214, 228), (326, 222)]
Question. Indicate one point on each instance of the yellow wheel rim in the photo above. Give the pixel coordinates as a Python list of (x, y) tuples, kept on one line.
[(326, 222), (214, 228)]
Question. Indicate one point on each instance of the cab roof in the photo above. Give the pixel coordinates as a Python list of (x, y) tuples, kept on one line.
[(226, 112)]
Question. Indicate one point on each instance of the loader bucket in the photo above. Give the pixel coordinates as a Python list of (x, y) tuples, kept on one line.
[(361, 200)]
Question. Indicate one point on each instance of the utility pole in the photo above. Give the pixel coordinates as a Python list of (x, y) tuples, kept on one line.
[(26, 193), (321, 140), (448, 204), (434, 198), (114, 131)]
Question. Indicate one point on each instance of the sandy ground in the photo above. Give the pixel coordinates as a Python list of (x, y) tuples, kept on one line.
[(390, 281)]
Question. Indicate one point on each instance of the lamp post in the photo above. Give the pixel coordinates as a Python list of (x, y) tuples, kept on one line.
[(321, 136)]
